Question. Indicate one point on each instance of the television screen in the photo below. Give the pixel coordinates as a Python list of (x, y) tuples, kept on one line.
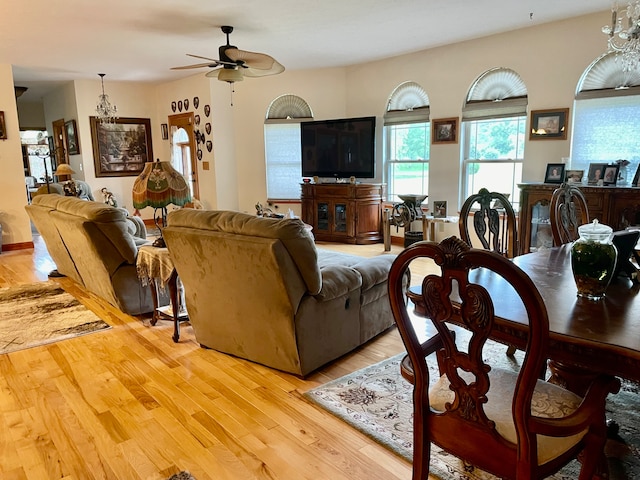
[(339, 148)]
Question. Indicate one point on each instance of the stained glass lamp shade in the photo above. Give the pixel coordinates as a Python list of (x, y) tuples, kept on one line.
[(157, 186)]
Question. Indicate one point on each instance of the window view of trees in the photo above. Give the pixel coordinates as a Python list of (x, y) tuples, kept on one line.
[(494, 150), (408, 154)]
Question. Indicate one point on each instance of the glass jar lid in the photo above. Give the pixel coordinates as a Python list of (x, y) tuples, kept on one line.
[(595, 231)]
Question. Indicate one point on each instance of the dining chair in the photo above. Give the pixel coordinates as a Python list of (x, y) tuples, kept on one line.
[(510, 424), (567, 211), (494, 225), (494, 222)]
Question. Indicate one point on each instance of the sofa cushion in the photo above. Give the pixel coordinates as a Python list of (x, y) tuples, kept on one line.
[(374, 270), (290, 231)]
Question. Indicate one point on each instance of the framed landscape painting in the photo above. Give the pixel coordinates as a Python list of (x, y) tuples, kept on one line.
[(121, 149)]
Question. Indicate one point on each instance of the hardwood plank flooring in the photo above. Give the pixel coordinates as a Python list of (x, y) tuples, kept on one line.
[(129, 403)]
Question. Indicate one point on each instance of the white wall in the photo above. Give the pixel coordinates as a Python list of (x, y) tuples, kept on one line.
[(13, 195)]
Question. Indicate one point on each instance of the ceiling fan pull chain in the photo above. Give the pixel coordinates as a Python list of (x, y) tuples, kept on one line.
[(231, 92)]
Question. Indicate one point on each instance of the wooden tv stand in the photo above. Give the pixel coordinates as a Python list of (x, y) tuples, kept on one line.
[(344, 212)]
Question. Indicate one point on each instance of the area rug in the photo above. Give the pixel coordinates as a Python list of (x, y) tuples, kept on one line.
[(378, 401), (184, 475), (40, 313)]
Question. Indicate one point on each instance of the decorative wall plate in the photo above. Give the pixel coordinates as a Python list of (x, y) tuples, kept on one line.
[(179, 105), (207, 128), (185, 102), (196, 102), (207, 110), (209, 145), (197, 119), (173, 106), (199, 154)]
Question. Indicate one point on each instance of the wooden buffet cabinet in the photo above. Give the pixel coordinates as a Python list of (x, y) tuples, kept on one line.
[(344, 212), (618, 207)]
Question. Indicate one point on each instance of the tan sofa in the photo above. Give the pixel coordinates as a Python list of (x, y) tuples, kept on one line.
[(93, 244), (258, 288)]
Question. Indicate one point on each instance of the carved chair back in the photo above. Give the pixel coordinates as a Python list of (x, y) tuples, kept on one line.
[(498, 410), (567, 211), (494, 222)]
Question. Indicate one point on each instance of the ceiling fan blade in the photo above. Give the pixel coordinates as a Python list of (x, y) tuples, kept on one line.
[(202, 58), (257, 72), (197, 65), (258, 64)]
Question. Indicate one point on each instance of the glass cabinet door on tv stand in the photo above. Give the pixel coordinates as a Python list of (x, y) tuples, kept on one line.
[(332, 218)]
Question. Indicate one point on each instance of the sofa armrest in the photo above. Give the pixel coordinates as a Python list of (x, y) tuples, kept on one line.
[(338, 281)]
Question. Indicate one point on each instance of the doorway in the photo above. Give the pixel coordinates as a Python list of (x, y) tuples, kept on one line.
[(183, 149)]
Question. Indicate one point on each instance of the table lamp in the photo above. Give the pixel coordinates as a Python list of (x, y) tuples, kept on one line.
[(157, 186), (69, 187)]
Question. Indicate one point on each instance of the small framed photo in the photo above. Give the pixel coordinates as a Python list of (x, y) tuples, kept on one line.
[(439, 209), (73, 147), (549, 124), (3, 127), (444, 130), (165, 131), (573, 176), (596, 173), (636, 178), (555, 173), (611, 174)]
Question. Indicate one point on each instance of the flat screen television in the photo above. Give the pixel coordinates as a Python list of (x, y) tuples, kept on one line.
[(339, 148)]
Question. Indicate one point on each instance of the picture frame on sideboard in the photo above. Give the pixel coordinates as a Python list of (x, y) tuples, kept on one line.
[(596, 173), (636, 178), (611, 175), (555, 173)]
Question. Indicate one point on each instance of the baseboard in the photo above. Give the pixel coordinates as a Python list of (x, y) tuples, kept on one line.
[(16, 246)]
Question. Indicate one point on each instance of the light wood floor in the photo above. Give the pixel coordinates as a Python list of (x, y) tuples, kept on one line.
[(129, 403)]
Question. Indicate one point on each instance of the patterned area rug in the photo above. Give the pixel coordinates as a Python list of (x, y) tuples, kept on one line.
[(41, 313), (182, 476), (378, 401)]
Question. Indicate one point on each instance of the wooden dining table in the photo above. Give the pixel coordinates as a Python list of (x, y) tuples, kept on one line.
[(586, 336)]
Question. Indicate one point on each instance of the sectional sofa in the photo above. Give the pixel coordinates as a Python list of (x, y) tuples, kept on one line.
[(259, 289)]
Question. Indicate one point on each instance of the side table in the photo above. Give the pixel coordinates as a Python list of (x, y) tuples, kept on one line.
[(155, 267)]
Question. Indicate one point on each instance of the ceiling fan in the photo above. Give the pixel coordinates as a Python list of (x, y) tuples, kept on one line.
[(235, 64)]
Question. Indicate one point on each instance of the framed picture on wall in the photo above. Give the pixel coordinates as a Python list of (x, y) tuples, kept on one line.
[(121, 149), (3, 127), (444, 130), (73, 147), (549, 124)]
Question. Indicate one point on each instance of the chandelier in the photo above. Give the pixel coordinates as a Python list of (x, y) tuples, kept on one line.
[(106, 112), (625, 42)]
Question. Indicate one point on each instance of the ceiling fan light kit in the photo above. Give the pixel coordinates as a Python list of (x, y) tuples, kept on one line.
[(229, 75)]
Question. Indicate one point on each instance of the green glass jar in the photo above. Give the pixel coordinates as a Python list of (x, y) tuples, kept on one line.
[(593, 260)]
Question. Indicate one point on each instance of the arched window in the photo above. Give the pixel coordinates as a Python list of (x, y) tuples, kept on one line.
[(606, 125), (493, 133), (407, 131), (282, 146)]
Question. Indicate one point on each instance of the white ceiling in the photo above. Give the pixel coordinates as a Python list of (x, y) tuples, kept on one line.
[(49, 42)]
